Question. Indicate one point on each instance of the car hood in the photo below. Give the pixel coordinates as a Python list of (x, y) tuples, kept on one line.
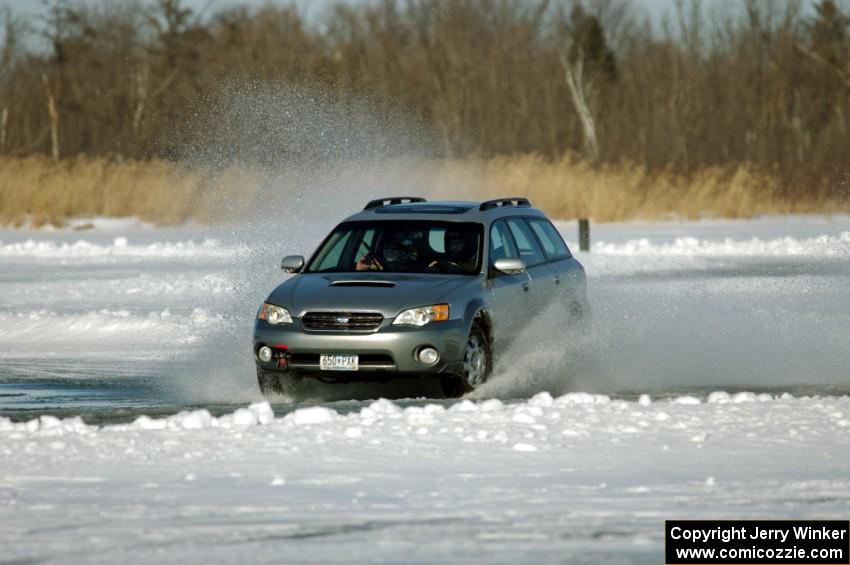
[(388, 294)]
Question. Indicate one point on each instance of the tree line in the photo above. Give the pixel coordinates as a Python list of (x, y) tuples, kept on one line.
[(766, 84)]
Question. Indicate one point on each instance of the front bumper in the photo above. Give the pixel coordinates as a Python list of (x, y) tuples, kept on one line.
[(390, 350)]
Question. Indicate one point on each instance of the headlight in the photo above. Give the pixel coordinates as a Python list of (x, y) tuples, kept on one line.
[(274, 315), (423, 315)]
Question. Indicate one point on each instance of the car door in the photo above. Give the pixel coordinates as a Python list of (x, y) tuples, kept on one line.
[(510, 303), (539, 289), (567, 276)]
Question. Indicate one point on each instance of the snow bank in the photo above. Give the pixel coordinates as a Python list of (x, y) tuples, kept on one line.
[(85, 223), (824, 246), (492, 421), (577, 478), (122, 248), (259, 413)]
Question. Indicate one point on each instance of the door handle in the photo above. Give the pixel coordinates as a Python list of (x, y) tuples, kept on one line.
[(557, 279), (525, 286)]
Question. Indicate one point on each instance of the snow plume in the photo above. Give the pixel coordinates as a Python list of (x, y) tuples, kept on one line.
[(318, 160), (740, 308), (548, 355)]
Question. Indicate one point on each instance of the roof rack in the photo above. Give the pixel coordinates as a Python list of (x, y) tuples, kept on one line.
[(516, 201), (389, 201)]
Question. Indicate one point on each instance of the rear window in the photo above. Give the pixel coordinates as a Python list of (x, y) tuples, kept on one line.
[(550, 239), (529, 249)]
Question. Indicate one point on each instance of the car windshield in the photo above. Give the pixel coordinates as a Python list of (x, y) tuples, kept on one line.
[(393, 246)]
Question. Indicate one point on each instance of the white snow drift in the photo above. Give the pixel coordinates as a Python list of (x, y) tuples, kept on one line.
[(575, 478)]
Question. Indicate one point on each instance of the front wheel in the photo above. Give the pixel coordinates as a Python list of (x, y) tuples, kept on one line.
[(477, 365)]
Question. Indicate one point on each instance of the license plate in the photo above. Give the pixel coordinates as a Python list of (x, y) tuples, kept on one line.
[(338, 362)]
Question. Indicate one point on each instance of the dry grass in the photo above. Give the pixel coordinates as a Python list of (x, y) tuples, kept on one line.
[(571, 188), (41, 191)]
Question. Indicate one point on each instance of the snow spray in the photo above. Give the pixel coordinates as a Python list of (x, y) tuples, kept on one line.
[(315, 161)]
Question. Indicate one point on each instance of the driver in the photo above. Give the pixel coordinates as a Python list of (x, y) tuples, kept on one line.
[(369, 261), (391, 253)]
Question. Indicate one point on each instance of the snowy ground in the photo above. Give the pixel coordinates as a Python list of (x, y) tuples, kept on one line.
[(106, 324)]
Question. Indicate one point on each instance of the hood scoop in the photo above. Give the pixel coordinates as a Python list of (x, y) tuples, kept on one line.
[(367, 283)]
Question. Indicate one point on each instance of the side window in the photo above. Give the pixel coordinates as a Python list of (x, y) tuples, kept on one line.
[(550, 239), (501, 244), (529, 249)]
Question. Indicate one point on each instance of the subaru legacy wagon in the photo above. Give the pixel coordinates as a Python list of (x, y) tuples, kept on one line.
[(411, 288)]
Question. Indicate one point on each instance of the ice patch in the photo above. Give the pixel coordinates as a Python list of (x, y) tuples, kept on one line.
[(56, 331)]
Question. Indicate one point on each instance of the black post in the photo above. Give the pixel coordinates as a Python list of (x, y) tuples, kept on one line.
[(584, 234)]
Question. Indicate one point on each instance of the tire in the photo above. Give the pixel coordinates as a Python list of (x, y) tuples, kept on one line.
[(477, 365), (453, 386), (271, 383)]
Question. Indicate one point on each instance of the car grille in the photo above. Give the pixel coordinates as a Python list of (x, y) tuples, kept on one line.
[(341, 321)]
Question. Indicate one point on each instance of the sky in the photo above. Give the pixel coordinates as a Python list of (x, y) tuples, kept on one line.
[(30, 9), (657, 8)]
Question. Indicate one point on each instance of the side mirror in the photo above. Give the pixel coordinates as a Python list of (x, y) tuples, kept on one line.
[(292, 263), (509, 266)]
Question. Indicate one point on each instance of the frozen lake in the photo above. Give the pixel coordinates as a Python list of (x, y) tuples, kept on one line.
[(715, 385)]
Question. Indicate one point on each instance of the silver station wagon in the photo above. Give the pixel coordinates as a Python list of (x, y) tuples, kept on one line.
[(411, 288)]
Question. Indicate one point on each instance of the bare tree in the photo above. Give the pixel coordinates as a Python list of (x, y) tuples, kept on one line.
[(4, 123), (765, 83), (53, 115), (574, 73), (8, 55)]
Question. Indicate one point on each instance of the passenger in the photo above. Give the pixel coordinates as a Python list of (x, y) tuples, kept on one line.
[(461, 249), (461, 253)]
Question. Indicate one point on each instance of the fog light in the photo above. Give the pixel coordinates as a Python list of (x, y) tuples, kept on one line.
[(428, 356), (265, 354)]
